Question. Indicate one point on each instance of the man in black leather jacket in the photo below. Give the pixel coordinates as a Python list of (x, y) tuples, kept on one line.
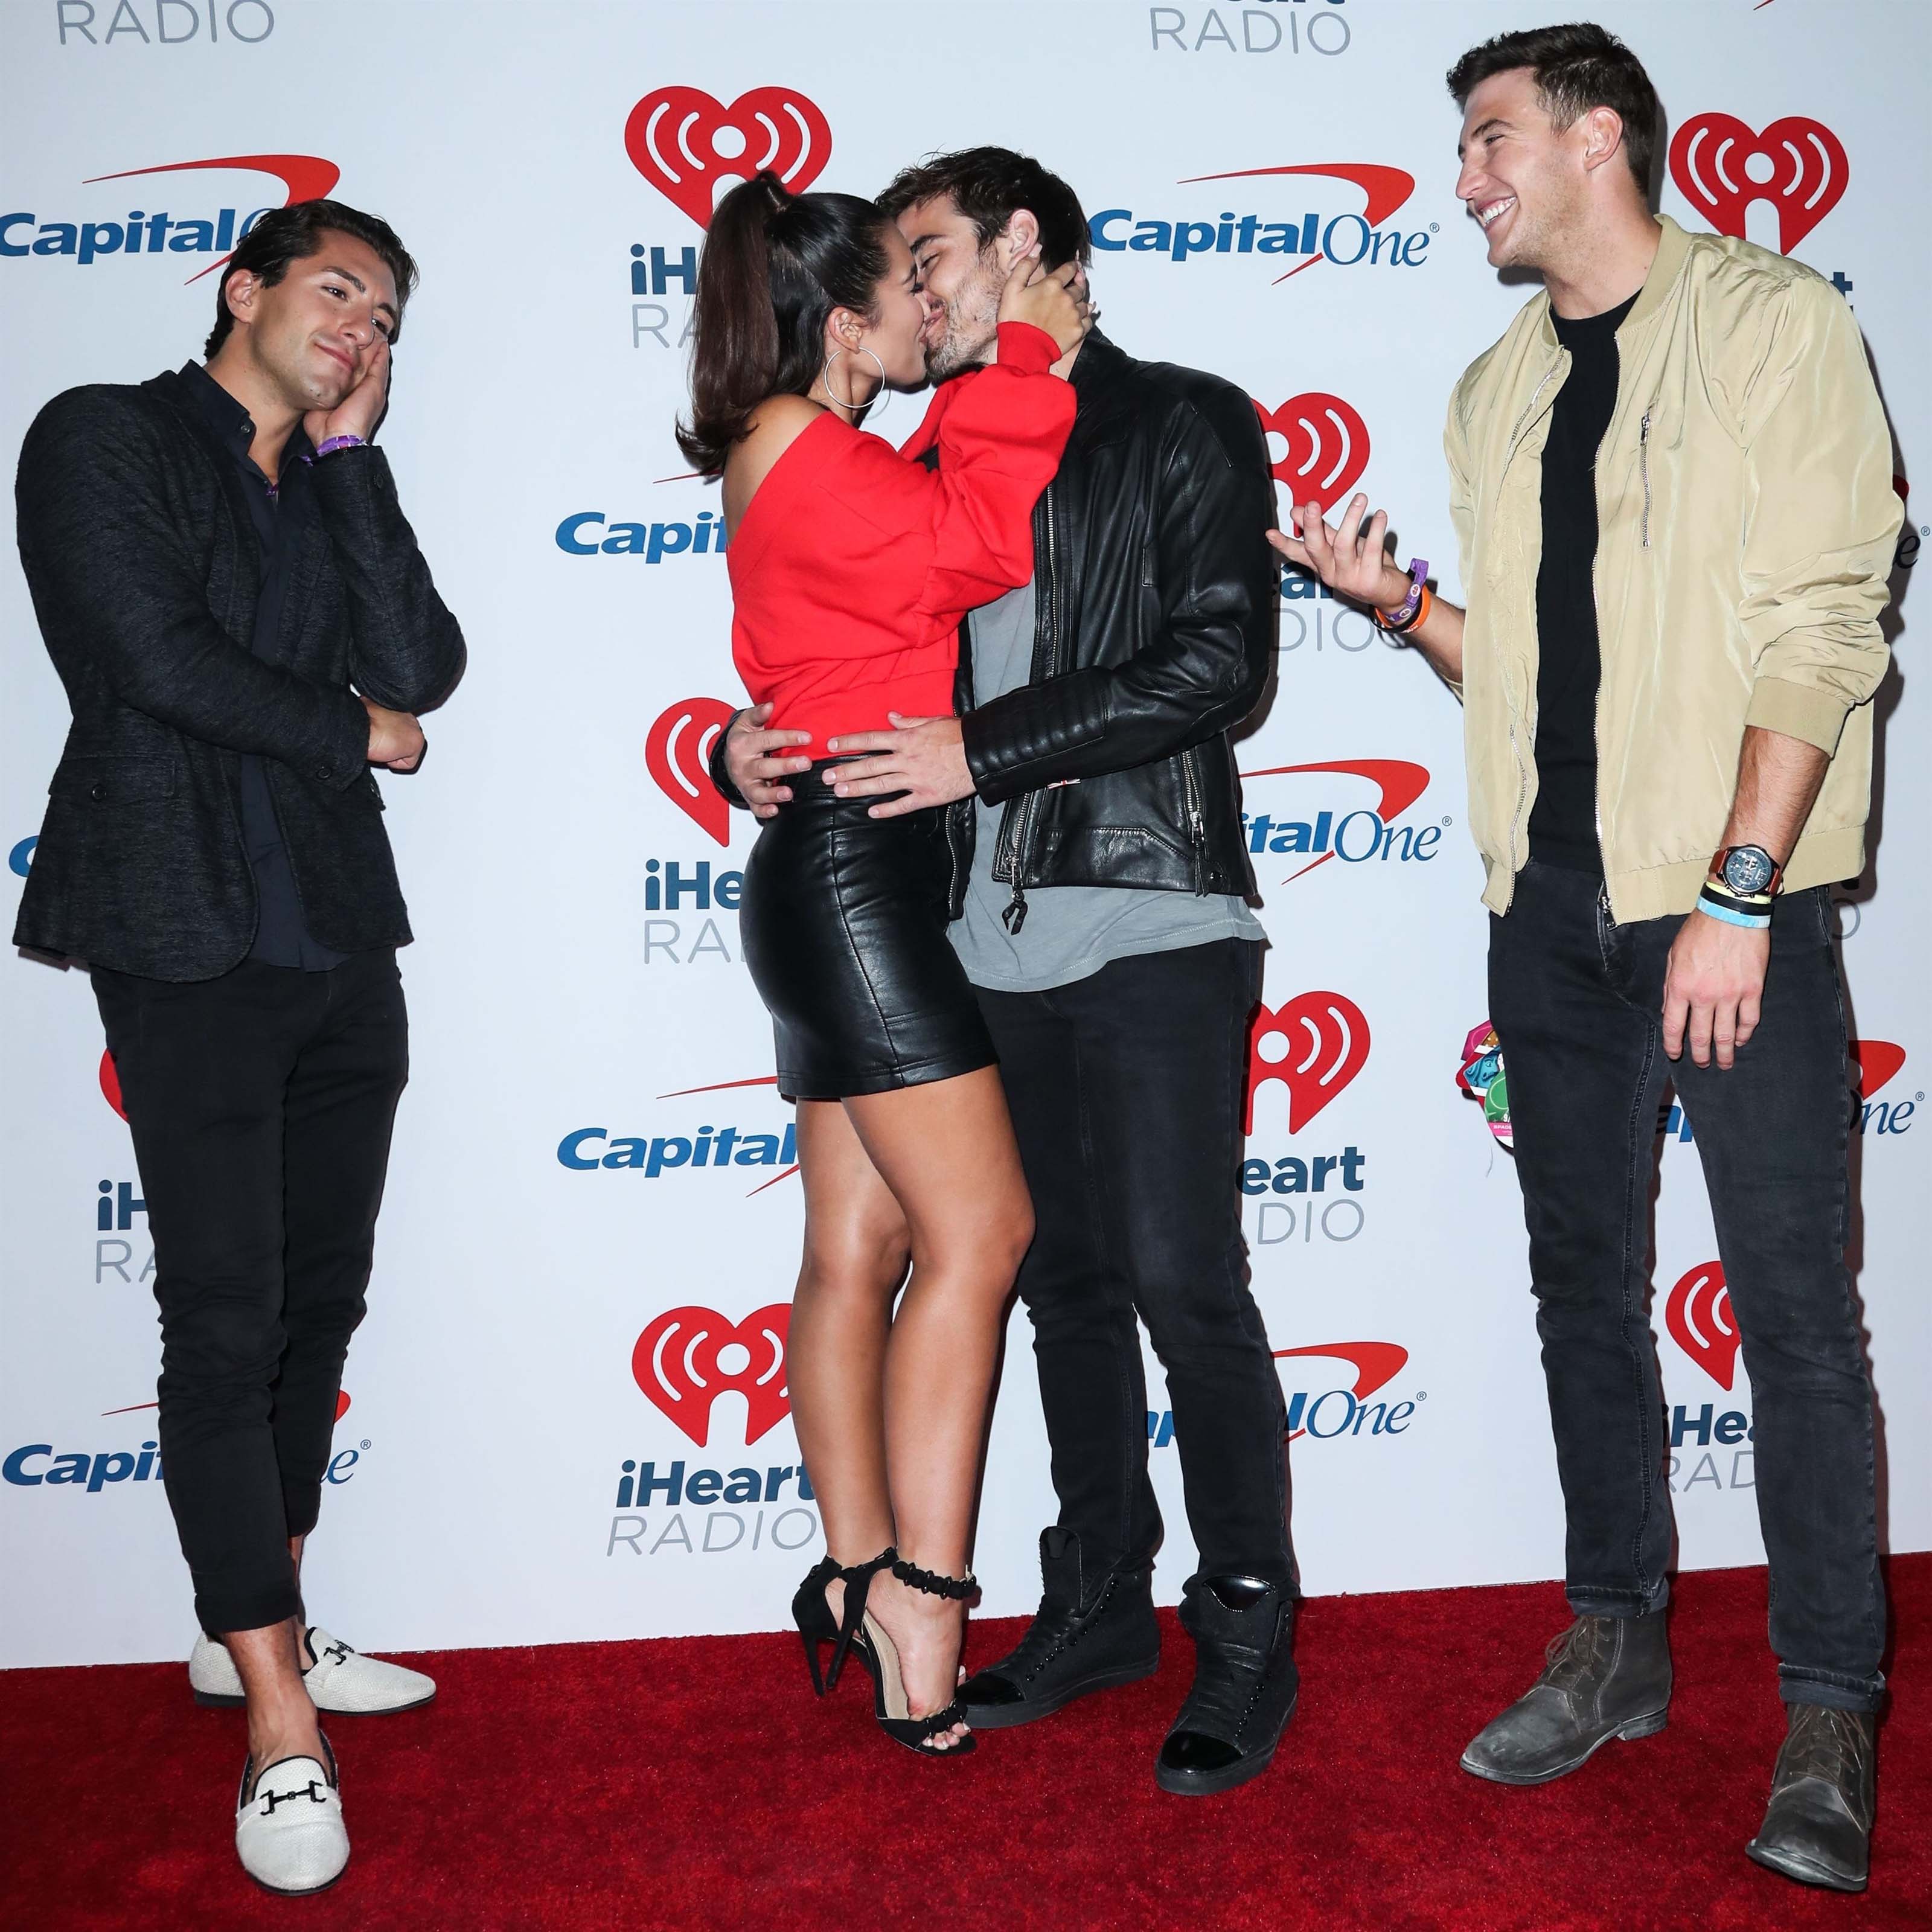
[(1100, 881)]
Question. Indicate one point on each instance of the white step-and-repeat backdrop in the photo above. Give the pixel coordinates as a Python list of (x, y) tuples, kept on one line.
[(565, 1416)]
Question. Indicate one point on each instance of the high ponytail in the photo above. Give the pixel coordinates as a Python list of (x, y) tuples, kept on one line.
[(775, 265)]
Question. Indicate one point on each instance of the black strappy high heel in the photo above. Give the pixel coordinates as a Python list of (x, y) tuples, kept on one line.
[(890, 1705), (817, 1625), (813, 1616)]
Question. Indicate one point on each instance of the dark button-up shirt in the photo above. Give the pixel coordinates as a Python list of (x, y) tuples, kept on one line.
[(282, 513)]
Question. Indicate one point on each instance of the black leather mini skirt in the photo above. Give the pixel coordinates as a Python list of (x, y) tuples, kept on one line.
[(843, 920)]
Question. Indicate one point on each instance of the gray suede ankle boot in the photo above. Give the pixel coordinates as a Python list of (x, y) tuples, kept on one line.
[(1607, 1677)]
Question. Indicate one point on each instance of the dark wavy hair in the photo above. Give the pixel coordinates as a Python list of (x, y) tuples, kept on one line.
[(1577, 67), (987, 185), (775, 265), (286, 235)]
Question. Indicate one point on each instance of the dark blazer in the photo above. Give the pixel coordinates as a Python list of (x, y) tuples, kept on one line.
[(145, 570)]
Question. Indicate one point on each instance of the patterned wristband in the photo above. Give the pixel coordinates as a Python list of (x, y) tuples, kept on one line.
[(1727, 906), (329, 445), (1408, 613)]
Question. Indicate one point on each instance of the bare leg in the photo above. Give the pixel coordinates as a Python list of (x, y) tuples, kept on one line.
[(945, 1150), (281, 1720), (856, 1250)]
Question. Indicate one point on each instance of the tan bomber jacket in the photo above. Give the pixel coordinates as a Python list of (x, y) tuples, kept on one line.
[(1746, 525)]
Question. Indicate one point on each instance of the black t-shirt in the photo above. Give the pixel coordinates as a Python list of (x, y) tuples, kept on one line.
[(1563, 822)]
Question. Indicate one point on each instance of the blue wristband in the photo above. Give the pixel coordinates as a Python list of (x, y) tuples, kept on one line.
[(1711, 909)]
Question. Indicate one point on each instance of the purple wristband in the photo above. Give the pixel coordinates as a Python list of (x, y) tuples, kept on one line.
[(1401, 618), (329, 445)]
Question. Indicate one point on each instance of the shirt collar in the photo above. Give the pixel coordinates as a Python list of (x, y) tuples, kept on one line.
[(231, 421)]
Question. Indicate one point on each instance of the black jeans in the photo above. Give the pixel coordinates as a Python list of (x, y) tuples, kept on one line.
[(1127, 1091), (1577, 1002), (261, 1104)]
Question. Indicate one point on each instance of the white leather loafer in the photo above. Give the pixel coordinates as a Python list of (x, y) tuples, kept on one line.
[(341, 1681), (289, 1832)]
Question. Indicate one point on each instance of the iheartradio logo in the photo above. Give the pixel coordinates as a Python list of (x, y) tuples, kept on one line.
[(1797, 164), (1314, 1045), (688, 1357), (676, 754), (1697, 1312), (686, 144), (1325, 447)]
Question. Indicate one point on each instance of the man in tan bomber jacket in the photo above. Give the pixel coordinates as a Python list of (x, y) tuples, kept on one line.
[(1671, 485)]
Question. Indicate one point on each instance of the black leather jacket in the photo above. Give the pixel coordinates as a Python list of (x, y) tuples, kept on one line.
[(1157, 605)]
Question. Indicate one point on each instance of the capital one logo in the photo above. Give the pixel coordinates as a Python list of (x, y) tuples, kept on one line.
[(687, 144), (688, 1357), (1376, 1364), (1877, 1061), (110, 1083), (1697, 1312), (676, 753), (1324, 447), (1797, 164), (1314, 1045), (303, 178)]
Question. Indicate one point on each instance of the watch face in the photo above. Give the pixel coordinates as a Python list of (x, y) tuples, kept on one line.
[(1748, 869)]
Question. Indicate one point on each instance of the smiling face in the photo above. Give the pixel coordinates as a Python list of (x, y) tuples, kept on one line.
[(963, 281), (311, 334), (896, 333), (1526, 183)]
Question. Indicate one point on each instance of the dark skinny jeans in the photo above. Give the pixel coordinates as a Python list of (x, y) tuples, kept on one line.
[(261, 1104), (1127, 1091), (1577, 1003)]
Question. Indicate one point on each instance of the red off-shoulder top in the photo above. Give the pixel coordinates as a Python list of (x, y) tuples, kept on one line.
[(853, 565)]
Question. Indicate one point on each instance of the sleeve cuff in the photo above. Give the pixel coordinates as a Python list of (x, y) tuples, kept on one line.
[(1026, 349), (1798, 711)]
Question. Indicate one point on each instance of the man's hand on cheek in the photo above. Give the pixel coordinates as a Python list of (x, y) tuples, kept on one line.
[(924, 758)]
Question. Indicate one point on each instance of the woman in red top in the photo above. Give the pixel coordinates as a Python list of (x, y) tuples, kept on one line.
[(851, 570)]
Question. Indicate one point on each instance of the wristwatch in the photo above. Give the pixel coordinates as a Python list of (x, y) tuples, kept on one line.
[(1749, 871)]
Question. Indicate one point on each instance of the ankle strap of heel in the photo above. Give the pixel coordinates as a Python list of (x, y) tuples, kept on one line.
[(958, 1589)]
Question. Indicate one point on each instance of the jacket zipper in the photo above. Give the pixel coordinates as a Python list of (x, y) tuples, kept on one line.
[(1516, 435), (1014, 917), (1196, 826), (1643, 457)]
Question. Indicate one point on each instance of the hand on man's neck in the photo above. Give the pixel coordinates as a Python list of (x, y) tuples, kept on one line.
[(1610, 264), (274, 418)]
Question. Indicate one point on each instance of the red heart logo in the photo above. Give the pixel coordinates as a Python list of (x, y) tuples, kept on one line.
[(1698, 1314), (1314, 1045), (1800, 169), (110, 1083), (1877, 1061), (681, 141), (680, 1362), (675, 755), (1327, 447)]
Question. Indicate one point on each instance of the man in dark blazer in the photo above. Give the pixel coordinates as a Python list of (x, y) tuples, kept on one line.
[(244, 626)]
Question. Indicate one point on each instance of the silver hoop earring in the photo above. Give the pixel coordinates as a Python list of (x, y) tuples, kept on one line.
[(844, 402)]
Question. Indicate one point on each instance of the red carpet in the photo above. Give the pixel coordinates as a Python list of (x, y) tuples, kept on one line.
[(697, 1783)]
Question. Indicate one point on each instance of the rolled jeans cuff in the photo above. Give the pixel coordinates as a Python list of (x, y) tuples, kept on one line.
[(301, 1507), (1829, 1688), (220, 1609), (1592, 1603)]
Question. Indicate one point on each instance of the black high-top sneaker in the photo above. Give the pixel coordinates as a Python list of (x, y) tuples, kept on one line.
[(1245, 1685), (1605, 1678), (1818, 1826), (1091, 1633)]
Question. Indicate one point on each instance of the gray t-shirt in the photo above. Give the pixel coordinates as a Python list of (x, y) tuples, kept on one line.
[(1070, 931)]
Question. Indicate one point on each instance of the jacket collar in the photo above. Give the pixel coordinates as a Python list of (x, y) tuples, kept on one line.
[(1673, 250)]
